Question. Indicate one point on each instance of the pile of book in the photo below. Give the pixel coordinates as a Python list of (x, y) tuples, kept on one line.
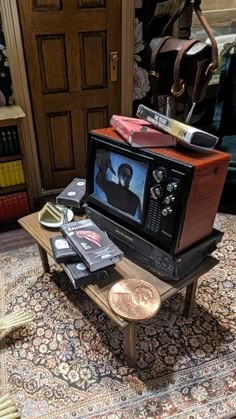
[(9, 141), (14, 206), (11, 173), (84, 250)]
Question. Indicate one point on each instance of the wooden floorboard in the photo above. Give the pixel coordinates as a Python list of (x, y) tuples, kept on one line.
[(14, 239)]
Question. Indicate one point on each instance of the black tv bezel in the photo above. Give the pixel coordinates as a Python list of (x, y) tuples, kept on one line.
[(105, 207), (143, 155)]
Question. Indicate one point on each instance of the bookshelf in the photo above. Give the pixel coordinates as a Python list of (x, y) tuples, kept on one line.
[(14, 193)]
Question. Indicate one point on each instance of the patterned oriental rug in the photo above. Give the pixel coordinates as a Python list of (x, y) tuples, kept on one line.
[(68, 363)]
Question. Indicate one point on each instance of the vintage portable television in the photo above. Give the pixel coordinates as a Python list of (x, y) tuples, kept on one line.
[(167, 196)]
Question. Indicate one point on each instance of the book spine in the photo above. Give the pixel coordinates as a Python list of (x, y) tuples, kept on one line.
[(14, 206), (7, 174), (7, 207), (1, 146), (18, 199), (4, 142), (16, 171), (16, 141), (3, 182), (11, 206), (3, 208), (21, 170), (19, 205), (12, 173), (7, 212), (10, 143), (25, 203)]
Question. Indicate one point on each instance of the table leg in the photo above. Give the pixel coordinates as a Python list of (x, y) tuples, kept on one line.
[(130, 344), (44, 259), (190, 298)]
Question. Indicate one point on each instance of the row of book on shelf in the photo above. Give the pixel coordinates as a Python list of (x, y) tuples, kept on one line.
[(9, 141), (11, 173), (14, 206)]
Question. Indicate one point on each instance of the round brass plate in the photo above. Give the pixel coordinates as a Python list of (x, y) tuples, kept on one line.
[(134, 299)]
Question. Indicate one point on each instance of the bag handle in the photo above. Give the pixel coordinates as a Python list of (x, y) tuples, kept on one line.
[(206, 26), (196, 4), (179, 86)]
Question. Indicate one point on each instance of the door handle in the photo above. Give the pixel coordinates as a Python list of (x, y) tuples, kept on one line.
[(114, 58)]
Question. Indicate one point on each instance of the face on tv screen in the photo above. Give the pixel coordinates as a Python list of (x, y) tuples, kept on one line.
[(119, 182)]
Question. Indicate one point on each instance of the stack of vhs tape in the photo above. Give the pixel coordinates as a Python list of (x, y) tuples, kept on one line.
[(84, 250)]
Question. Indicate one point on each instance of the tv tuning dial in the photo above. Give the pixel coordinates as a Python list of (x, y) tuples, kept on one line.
[(160, 174), (166, 211), (172, 186), (156, 191), (169, 199)]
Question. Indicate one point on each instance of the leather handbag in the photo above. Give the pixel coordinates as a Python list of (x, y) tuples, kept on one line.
[(182, 68)]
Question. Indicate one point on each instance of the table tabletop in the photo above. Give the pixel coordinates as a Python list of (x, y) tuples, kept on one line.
[(124, 269)]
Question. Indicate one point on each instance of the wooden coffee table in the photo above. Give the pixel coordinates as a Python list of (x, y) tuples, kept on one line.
[(125, 269)]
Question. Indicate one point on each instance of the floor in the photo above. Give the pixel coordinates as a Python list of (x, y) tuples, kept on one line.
[(14, 238)]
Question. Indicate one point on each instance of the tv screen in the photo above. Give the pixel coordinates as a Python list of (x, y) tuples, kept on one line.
[(119, 182)]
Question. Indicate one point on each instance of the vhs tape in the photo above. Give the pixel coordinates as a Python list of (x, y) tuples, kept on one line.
[(73, 195), (186, 135), (62, 250), (92, 244), (80, 276)]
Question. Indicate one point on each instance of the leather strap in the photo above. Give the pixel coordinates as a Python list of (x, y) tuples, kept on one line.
[(178, 86), (201, 82), (153, 73), (202, 19), (156, 50), (203, 22)]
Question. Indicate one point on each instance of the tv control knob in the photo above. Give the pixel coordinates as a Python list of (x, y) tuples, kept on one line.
[(152, 191), (166, 211), (160, 174), (169, 199), (172, 186), (156, 192)]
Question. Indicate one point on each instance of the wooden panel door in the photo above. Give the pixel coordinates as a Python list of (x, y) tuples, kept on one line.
[(68, 44)]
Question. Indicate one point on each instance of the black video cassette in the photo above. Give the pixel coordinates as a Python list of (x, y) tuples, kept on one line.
[(92, 244), (73, 195), (62, 250), (81, 276), (151, 257)]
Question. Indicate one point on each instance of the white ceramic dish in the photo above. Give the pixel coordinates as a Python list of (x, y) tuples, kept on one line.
[(69, 214)]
